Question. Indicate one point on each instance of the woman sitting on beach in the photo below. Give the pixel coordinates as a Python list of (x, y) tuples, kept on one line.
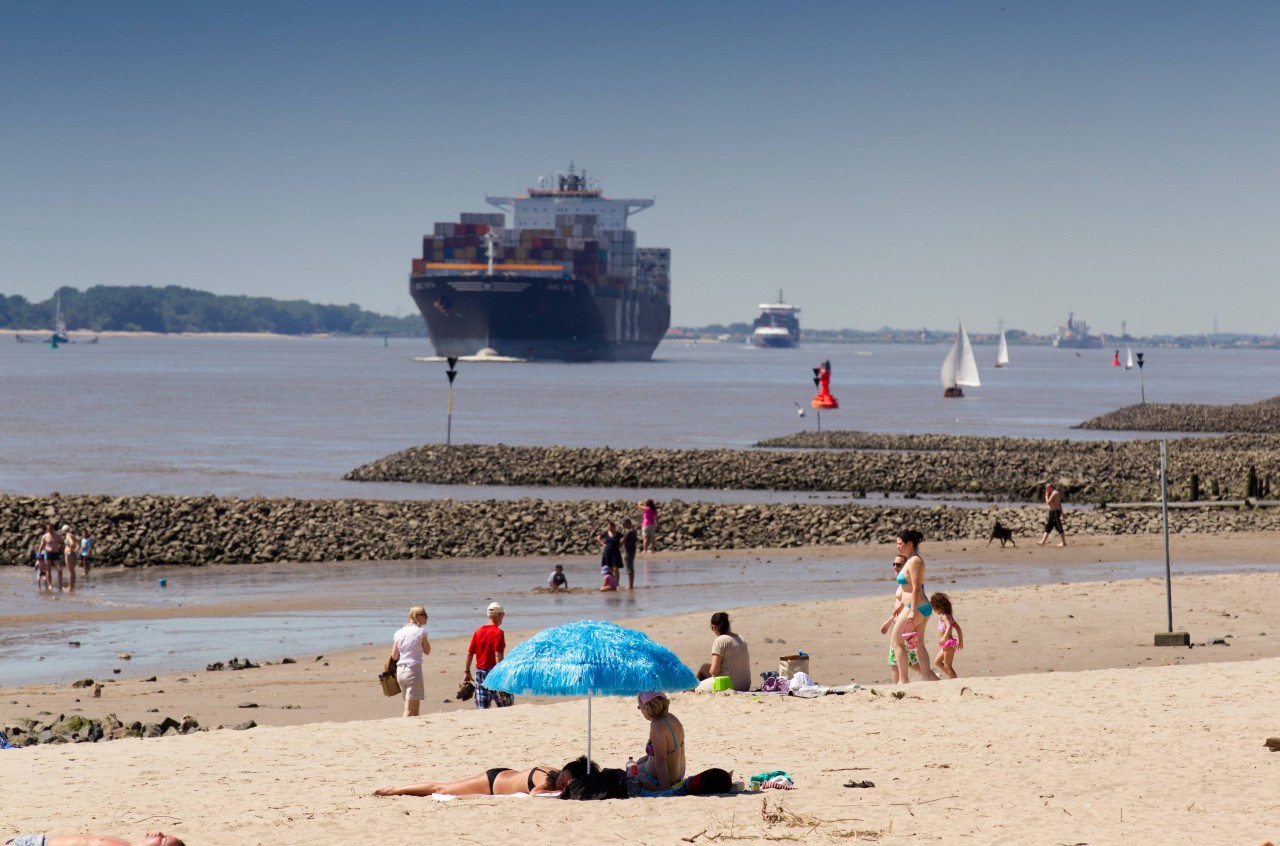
[(729, 656), (916, 606), (498, 781), (663, 762)]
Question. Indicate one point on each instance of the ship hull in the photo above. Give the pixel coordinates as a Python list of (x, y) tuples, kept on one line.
[(1089, 343), (537, 318), (774, 341)]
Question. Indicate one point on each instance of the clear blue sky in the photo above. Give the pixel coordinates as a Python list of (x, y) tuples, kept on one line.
[(895, 164)]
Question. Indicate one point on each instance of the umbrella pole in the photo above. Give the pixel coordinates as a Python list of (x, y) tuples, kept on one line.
[(588, 732)]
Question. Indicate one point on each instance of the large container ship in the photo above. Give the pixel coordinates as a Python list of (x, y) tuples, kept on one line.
[(565, 281)]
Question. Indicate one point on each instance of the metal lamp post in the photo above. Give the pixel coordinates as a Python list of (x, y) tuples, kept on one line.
[(1170, 637)]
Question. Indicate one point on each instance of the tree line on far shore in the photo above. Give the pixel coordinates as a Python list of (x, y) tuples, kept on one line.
[(173, 309)]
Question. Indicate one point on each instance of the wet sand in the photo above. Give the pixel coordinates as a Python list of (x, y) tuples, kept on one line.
[(842, 634)]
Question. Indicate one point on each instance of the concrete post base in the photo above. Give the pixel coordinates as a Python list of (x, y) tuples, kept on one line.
[(1173, 639)]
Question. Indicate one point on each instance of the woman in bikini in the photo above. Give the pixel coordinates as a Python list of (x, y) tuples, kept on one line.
[(916, 606), (663, 763), (498, 781)]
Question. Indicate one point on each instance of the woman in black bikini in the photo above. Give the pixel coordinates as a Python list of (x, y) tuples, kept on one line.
[(498, 781)]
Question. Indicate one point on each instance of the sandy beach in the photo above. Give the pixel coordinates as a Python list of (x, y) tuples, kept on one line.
[(1067, 726)]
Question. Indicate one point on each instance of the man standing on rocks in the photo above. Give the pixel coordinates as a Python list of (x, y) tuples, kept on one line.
[(1053, 500), (488, 645)]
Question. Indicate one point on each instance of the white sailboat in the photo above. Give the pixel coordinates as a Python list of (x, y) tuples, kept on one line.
[(1002, 352), (1128, 361), (959, 367), (60, 325)]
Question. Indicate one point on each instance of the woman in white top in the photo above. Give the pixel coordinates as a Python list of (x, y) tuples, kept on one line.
[(408, 647)]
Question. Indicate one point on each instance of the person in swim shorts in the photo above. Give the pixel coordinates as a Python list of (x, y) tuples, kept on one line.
[(50, 550)]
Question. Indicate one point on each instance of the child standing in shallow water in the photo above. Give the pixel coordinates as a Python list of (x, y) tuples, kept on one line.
[(950, 637)]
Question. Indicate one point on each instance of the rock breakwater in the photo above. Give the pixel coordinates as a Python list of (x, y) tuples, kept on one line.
[(154, 530), (1010, 469), (1259, 418)]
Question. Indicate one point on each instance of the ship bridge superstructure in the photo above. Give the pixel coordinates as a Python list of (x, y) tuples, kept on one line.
[(574, 194)]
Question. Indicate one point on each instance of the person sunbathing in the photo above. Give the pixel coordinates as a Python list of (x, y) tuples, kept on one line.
[(156, 839), (498, 781)]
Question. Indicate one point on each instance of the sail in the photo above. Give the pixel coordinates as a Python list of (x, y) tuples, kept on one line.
[(949, 366), (1002, 353), (959, 367), (966, 366), (1128, 361)]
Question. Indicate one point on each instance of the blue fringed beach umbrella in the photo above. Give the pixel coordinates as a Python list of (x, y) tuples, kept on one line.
[(587, 658)]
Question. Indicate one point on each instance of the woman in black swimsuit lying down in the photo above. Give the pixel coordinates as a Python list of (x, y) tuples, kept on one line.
[(497, 781)]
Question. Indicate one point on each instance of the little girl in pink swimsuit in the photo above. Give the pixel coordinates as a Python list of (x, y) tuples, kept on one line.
[(950, 637)]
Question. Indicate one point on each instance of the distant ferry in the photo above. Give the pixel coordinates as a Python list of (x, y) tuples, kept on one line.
[(565, 282), (1075, 336), (777, 325)]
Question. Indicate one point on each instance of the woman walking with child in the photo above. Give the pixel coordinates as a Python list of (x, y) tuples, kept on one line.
[(915, 609), (909, 634), (950, 637)]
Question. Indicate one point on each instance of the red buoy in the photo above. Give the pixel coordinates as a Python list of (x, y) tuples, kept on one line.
[(822, 376)]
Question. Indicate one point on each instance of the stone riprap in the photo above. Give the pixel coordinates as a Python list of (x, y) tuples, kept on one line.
[(77, 729), (153, 530), (1008, 469), (1258, 418)]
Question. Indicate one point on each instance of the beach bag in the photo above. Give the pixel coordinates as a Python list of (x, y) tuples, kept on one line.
[(387, 678), (714, 780), (466, 690), (598, 784), (788, 664)]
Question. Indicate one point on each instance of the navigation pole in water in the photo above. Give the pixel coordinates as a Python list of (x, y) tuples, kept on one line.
[(452, 374), (823, 399)]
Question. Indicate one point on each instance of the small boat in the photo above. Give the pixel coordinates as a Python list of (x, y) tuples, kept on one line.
[(959, 367), (59, 335), (1128, 361), (1002, 352)]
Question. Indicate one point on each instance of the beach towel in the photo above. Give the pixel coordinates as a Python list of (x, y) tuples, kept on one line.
[(779, 779), (816, 690)]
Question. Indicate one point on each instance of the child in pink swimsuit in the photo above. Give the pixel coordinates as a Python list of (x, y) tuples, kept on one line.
[(950, 637)]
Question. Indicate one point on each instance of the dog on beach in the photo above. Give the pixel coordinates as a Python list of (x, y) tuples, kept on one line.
[(1002, 534)]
